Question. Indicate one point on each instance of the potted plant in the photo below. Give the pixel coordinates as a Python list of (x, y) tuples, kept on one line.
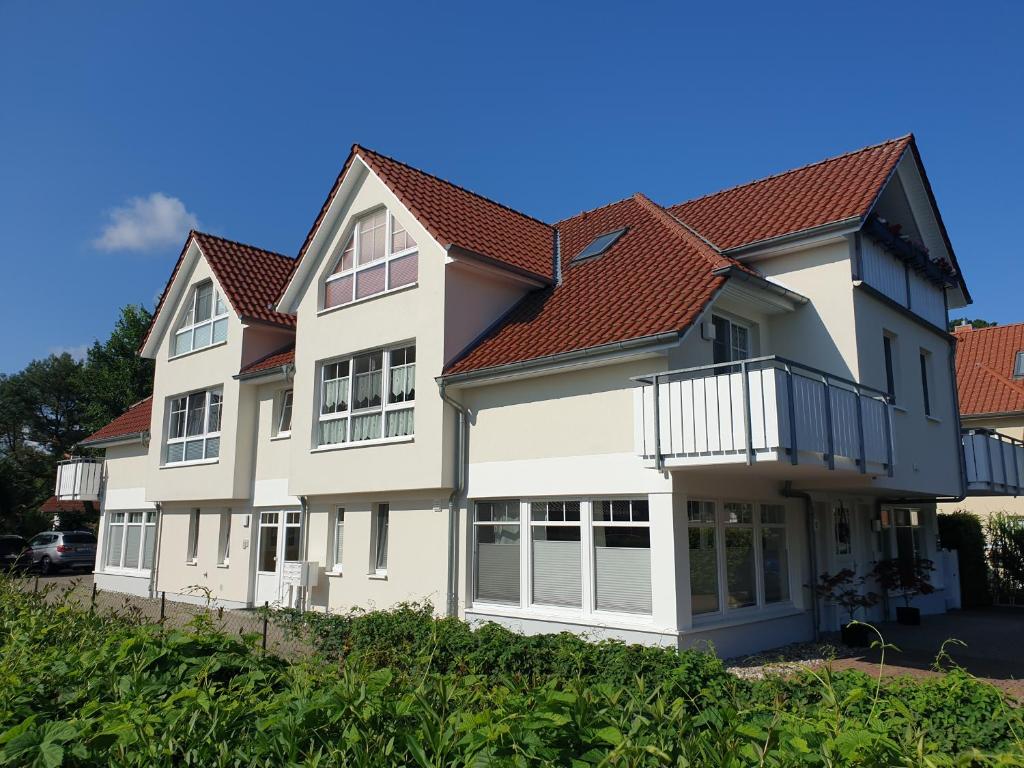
[(844, 590), (910, 578)]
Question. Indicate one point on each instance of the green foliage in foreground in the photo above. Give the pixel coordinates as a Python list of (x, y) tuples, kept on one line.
[(78, 689)]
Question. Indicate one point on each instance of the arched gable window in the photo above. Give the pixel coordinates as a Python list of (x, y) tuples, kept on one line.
[(204, 322), (380, 255)]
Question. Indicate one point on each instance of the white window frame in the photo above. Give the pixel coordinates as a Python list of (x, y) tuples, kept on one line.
[(121, 520), (286, 403), (516, 504), (732, 323), (378, 565), (188, 324), (584, 547), (338, 558), (192, 551), (224, 540), (632, 522), (355, 239), (350, 413), (206, 435)]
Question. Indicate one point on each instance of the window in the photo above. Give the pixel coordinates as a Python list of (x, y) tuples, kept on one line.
[(842, 534), (909, 534), (556, 553), (701, 521), (740, 569), (356, 405), (1018, 365), (266, 559), (339, 539), (284, 419), (890, 371), (732, 340), (496, 529), (599, 245), (224, 539), (204, 323), (380, 255), (131, 540), (193, 431), (925, 358), (381, 521), (192, 554), (622, 555), (292, 536), (774, 555)]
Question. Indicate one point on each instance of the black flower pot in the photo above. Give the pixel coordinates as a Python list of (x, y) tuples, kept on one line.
[(908, 616), (856, 635)]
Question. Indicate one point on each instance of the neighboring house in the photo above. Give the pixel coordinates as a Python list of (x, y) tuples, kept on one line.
[(990, 380), (651, 423)]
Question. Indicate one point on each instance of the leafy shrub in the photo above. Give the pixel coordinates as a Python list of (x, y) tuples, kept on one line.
[(962, 531), (1006, 556), (84, 690)]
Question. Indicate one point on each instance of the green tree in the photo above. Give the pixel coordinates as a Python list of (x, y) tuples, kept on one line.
[(115, 377), (53, 389), (976, 323)]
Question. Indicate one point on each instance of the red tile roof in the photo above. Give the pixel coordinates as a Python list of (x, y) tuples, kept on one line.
[(455, 216), (54, 506), (134, 421), (251, 277), (984, 369), (284, 356), (656, 278), (826, 192)]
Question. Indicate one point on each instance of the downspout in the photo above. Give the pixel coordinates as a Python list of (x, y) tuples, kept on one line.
[(812, 548), (156, 553), (304, 545), (452, 596)]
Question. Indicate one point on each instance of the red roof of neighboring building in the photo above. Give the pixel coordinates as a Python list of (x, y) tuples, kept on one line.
[(984, 369), (656, 278), (829, 191), (283, 356), (134, 421), (455, 216), (54, 506)]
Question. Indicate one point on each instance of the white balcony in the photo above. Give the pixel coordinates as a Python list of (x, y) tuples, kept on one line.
[(994, 463), (766, 409), (79, 480)]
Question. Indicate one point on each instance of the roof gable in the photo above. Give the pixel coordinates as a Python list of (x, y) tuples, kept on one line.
[(984, 369)]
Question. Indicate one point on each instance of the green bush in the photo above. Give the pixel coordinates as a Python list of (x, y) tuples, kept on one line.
[(962, 531), (1006, 556), (84, 690)]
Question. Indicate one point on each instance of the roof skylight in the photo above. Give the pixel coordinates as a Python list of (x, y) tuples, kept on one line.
[(600, 244), (1018, 365)]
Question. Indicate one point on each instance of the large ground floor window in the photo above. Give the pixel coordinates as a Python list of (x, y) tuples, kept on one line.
[(583, 554), (131, 540), (739, 555)]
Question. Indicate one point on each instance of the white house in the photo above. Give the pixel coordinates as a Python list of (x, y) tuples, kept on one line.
[(645, 422)]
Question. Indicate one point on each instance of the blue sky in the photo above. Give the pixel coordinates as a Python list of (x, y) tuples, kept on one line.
[(121, 123)]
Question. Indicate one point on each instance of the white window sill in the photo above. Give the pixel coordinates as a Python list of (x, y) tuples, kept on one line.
[(192, 563), (379, 576), (281, 436), (389, 292), (363, 443), (336, 573), (196, 463), (119, 571), (639, 622), (223, 565), (199, 349)]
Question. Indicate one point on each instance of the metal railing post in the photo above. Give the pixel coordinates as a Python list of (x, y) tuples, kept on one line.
[(828, 423), (657, 423), (266, 618), (863, 461), (747, 435), (991, 466), (794, 457), (888, 437), (1002, 458)]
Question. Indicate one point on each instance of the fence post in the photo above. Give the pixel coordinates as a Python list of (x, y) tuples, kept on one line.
[(92, 599), (266, 614), (36, 587), (163, 605)]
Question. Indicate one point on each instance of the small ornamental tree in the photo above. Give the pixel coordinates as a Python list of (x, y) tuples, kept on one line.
[(910, 577), (844, 589)]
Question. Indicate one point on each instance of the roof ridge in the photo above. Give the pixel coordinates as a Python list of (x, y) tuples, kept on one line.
[(996, 327), (702, 246), (193, 232), (780, 174), (560, 222), (356, 148)]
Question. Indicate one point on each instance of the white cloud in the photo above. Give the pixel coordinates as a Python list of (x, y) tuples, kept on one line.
[(77, 351), (145, 223)]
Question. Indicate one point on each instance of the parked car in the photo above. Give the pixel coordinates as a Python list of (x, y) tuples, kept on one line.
[(54, 551), (12, 553)]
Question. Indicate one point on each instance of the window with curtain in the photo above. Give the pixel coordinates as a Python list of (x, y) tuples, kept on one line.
[(204, 322), (702, 530), (380, 255), (131, 540), (622, 555), (193, 429), (556, 553), (774, 554), (368, 396), (496, 533), (339, 539)]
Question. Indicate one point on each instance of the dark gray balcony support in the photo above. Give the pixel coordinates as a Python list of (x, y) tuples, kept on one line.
[(888, 439), (828, 424), (657, 425), (863, 461), (793, 456)]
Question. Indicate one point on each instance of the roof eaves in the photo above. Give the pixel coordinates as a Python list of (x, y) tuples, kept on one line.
[(105, 442)]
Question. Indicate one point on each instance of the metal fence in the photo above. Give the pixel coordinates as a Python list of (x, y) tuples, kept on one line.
[(265, 626)]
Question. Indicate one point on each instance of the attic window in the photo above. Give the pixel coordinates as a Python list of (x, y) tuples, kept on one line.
[(600, 244), (204, 322), (1018, 365)]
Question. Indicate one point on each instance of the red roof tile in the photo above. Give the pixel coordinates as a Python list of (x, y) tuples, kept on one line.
[(455, 216), (829, 191), (284, 356), (54, 506), (984, 369), (132, 422), (656, 278)]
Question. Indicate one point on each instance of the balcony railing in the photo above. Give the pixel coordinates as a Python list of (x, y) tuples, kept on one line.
[(79, 479), (762, 409), (994, 463)]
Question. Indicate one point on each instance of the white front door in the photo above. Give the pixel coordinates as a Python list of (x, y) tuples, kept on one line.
[(280, 534)]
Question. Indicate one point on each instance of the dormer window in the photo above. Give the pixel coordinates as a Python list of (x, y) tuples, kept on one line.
[(204, 323), (1018, 365), (380, 255)]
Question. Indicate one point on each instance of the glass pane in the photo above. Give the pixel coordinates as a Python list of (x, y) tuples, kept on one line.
[(285, 425), (400, 239), (366, 427), (403, 384), (497, 563), (739, 567), (400, 423), (369, 281), (177, 421), (194, 450), (557, 576), (339, 537), (371, 238), (631, 537), (641, 511), (212, 447), (182, 342), (721, 349), (333, 432), (620, 511), (335, 395), (291, 542), (622, 569), (382, 537), (215, 409), (740, 343), (338, 292), (347, 256), (149, 547), (776, 565), (773, 514), (700, 511), (202, 336), (703, 571), (220, 330), (196, 424), (175, 452), (740, 514), (220, 306), (268, 548), (204, 302), (114, 544), (404, 270), (368, 381), (133, 542), (506, 510)]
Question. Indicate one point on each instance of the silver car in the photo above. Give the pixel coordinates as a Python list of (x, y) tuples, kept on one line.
[(60, 550)]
